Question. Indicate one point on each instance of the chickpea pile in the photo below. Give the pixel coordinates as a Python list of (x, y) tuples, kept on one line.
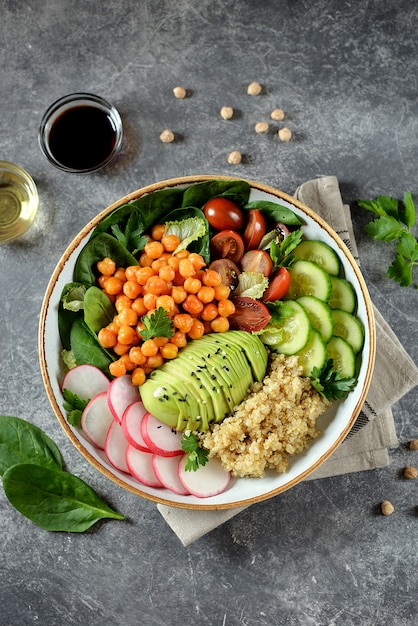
[(192, 296)]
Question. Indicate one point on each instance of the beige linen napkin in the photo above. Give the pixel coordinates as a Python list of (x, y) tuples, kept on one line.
[(366, 446)]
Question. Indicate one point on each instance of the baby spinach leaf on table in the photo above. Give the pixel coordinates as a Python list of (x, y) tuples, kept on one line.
[(86, 348), (98, 309), (23, 442), (70, 306), (198, 194), (275, 212), (96, 249), (54, 500)]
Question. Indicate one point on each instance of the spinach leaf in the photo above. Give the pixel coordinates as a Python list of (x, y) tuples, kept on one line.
[(66, 316), (197, 195), (275, 212), (96, 249), (147, 210), (23, 442), (86, 348), (53, 499), (98, 309)]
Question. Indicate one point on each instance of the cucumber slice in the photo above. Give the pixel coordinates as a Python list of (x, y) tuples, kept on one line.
[(343, 295), (308, 279), (320, 253), (349, 328), (319, 314), (314, 354), (342, 354), (291, 334)]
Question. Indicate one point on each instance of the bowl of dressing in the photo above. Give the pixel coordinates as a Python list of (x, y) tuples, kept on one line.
[(19, 201), (81, 133)]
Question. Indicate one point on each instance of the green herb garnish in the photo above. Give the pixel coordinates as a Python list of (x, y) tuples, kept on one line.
[(75, 406), (158, 324), (395, 222), (329, 383), (281, 252), (196, 455)]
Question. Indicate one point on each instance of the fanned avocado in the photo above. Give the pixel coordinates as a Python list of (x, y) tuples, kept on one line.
[(209, 377)]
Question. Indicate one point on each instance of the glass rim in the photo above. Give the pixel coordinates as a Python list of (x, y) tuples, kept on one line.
[(66, 102)]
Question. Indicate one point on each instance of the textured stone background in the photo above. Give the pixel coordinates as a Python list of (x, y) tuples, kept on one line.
[(346, 75)]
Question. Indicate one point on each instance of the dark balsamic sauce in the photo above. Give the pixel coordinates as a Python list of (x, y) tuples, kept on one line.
[(82, 137)]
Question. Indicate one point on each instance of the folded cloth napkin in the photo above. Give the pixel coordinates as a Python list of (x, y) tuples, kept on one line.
[(373, 433)]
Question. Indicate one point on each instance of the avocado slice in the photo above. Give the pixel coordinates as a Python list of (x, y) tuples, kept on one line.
[(209, 377)]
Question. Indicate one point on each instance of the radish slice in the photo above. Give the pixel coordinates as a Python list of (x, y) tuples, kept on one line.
[(96, 420), (86, 381), (115, 447), (131, 425), (208, 480), (120, 394), (140, 466), (160, 438), (166, 470)]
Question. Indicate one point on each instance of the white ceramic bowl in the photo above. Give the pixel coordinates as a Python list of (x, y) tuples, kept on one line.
[(334, 424)]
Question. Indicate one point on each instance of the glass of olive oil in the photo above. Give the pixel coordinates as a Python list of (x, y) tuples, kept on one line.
[(18, 201), (80, 132)]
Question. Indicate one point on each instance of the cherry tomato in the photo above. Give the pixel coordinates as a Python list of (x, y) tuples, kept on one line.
[(279, 285), (227, 245), (257, 261), (250, 315), (223, 214), (255, 229), (228, 270)]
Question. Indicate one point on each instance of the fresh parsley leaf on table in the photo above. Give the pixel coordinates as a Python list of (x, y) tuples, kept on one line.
[(394, 223)]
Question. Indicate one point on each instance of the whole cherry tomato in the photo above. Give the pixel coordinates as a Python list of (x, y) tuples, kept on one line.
[(257, 261), (278, 286), (223, 214), (250, 315), (227, 245), (228, 270), (254, 230)]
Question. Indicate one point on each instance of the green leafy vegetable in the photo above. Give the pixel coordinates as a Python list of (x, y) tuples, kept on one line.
[(37, 486), (196, 455), (394, 223), (101, 246), (329, 383), (251, 285), (73, 298), (75, 406), (23, 442), (281, 252), (187, 230), (279, 311), (98, 309), (198, 194), (158, 324), (86, 348), (54, 500), (275, 212)]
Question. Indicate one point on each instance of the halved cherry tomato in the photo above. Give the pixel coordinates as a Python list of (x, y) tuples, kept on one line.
[(255, 229), (227, 245), (278, 286), (257, 261), (250, 315), (228, 270), (223, 214)]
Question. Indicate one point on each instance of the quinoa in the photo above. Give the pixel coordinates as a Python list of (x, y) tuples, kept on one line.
[(276, 420)]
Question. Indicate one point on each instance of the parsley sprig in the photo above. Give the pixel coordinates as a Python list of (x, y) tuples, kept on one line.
[(196, 455), (75, 406), (394, 223), (158, 324), (329, 383)]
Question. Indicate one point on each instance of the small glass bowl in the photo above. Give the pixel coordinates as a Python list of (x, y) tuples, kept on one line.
[(19, 201), (80, 133)]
